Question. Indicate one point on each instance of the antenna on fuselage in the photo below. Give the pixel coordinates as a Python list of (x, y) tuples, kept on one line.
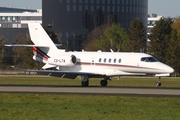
[(111, 50)]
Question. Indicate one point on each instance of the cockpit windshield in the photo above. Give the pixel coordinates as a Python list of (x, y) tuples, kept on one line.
[(149, 59)]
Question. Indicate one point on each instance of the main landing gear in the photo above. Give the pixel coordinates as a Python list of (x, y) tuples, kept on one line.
[(105, 81), (85, 81), (158, 82)]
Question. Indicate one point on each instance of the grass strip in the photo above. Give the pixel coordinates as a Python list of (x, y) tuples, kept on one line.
[(124, 81), (86, 107)]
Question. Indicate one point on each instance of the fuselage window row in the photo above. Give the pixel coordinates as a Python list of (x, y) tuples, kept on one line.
[(110, 60)]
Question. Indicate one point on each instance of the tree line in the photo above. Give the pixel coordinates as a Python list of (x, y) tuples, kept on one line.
[(164, 43), (22, 56), (113, 36)]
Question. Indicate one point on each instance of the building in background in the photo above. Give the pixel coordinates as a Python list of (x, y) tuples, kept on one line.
[(73, 19), (15, 10), (152, 19), (13, 21)]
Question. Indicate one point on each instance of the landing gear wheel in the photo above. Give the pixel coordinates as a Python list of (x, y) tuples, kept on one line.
[(158, 84), (85, 83), (103, 82)]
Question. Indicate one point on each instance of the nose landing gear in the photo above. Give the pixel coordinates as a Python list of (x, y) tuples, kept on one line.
[(158, 82), (85, 81)]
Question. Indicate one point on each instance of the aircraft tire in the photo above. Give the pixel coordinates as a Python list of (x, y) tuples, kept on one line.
[(158, 84), (85, 84), (103, 82)]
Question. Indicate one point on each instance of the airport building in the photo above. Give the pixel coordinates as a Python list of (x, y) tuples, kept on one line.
[(152, 19), (13, 21), (73, 19), (15, 10)]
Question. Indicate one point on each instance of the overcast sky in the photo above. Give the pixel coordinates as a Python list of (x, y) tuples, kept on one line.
[(167, 8)]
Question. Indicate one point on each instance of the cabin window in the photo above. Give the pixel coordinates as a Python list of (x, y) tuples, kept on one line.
[(149, 59), (114, 60), (110, 60), (100, 60), (104, 60), (119, 60)]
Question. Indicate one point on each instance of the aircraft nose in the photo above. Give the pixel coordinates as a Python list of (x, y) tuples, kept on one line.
[(169, 69)]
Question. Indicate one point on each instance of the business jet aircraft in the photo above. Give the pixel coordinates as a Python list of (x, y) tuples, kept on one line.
[(90, 64)]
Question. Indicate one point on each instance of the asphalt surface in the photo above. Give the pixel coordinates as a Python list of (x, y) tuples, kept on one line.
[(92, 90)]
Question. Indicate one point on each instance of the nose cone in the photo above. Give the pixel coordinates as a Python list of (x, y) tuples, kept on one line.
[(166, 68), (169, 70)]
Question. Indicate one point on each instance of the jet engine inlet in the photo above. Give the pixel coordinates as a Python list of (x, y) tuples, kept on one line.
[(73, 59)]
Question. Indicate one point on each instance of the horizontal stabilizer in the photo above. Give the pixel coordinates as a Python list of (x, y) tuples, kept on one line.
[(24, 45)]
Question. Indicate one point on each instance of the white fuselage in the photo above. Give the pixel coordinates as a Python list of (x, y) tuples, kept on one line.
[(97, 63), (90, 64), (114, 63)]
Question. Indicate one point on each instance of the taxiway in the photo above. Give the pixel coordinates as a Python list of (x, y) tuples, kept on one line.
[(93, 90)]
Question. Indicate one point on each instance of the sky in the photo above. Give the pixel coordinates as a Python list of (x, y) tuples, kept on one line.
[(30, 4), (167, 8)]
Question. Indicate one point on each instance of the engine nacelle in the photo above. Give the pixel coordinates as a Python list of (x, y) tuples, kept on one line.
[(65, 60), (36, 58)]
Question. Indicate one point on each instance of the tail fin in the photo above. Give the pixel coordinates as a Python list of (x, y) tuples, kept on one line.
[(40, 38)]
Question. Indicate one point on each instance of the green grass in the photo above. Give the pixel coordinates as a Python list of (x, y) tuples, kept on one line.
[(87, 107), (124, 81), (82, 107)]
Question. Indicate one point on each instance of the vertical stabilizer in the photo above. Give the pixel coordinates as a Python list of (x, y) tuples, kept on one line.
[(40, 37)]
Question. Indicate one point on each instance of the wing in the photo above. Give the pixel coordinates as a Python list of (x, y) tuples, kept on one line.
[(73, 75), (62, 74)]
